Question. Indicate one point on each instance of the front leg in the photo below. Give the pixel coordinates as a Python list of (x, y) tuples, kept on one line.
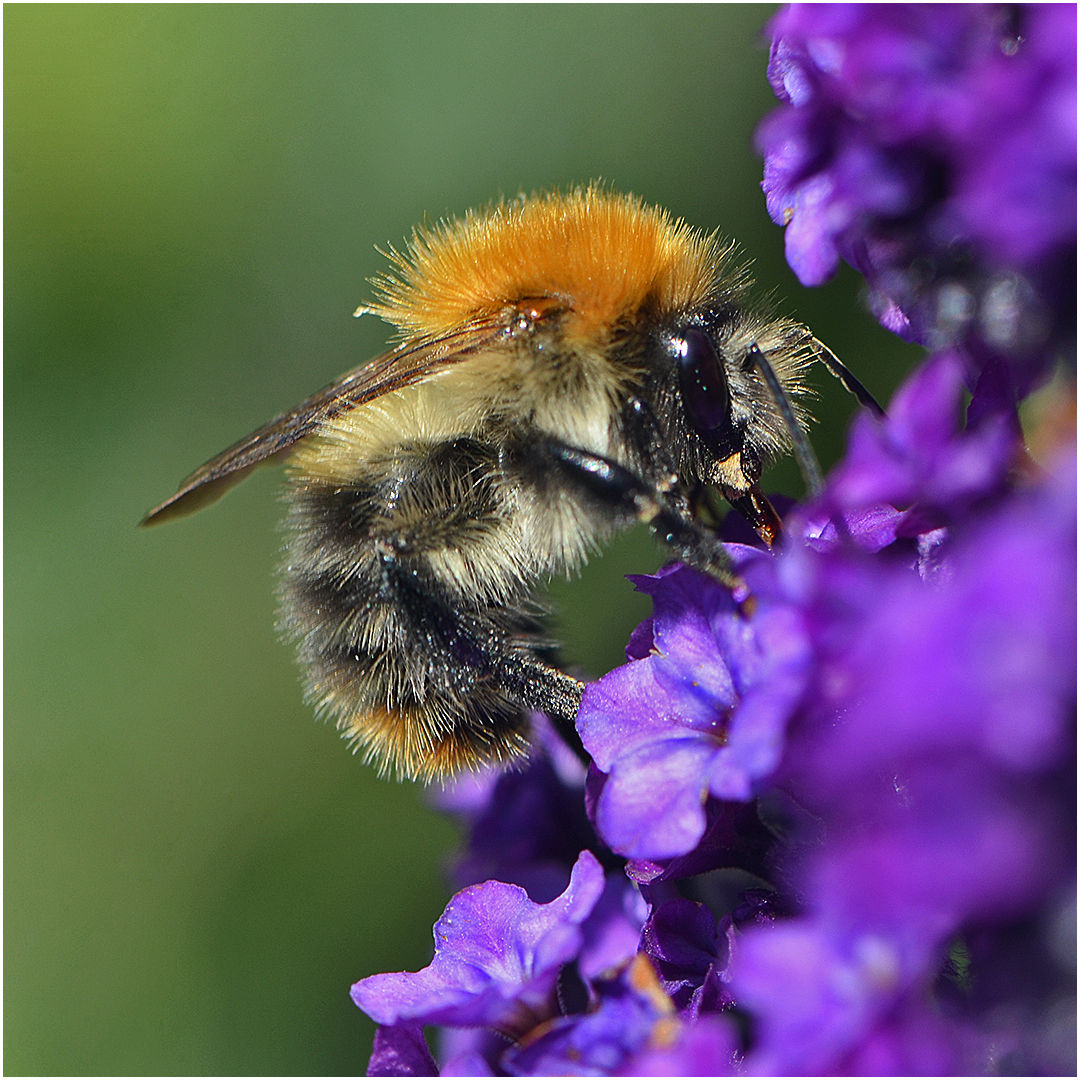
[(611, 485)]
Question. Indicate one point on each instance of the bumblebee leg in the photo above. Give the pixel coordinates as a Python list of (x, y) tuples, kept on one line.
[(414, 622), (755, 507), (752, 504), (519, 674), (551, 692), (611, 484), (800, 444), (476, 644)]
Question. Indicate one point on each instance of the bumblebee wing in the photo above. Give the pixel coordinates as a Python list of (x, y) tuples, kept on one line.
[(391, 371)]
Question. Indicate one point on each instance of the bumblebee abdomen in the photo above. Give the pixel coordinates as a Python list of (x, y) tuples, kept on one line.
[(407, 588)]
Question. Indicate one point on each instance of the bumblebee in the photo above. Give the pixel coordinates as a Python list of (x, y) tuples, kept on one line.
[(565, 364)]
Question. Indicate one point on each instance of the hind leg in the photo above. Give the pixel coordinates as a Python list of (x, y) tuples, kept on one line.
[(406, 593)]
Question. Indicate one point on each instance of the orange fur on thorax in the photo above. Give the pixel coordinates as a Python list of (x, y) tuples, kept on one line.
[(604, 254)]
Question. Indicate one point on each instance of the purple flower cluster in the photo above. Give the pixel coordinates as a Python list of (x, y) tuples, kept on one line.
[(934, 149), (829, 822)]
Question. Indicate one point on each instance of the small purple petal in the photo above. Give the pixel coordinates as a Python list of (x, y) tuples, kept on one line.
[(918, 454), (704, 712), (652, 808), (641, 641), (613, 930), (734, 837), (814, 220), (632, 1010), (497, 957), (872, 528), (401, 1051), (689, 952), (709, 1047), (468, 1064)]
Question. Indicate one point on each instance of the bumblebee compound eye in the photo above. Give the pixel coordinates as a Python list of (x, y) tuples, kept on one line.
[(703, 387)]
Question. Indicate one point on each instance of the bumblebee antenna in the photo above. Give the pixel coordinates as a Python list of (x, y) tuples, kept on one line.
[(804, 452), (828, 359)]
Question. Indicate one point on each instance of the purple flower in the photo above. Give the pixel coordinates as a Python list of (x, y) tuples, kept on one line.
[(632, 1013), (700, 710), (874, 738), (524, 826), (933, 147), (690, 952), (978, 667), (935, 762), (822, 1002), (497, 958), (918, 455)]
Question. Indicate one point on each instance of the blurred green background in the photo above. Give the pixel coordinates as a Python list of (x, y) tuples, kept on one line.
[(195, 870)]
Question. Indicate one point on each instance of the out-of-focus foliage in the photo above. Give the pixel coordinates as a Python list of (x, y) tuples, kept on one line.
[(195, 871)]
